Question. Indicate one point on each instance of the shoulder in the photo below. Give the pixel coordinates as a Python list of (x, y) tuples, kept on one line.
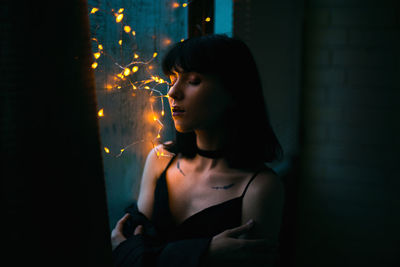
[(266, 184), (156, 161), (263, 202)]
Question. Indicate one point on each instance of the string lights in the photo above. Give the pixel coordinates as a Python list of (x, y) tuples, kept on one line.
[(124, 76)]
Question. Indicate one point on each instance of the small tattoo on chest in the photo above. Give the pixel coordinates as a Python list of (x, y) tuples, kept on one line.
[(225, 187), (178, 166)]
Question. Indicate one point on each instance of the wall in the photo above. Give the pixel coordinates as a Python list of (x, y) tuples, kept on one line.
[(127, 112), (272, 30), (331, 74), (348, 199)]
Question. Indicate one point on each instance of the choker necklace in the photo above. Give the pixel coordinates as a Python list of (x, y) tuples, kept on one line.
[(212, 154)]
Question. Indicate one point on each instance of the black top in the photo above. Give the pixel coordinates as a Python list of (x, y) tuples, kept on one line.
[(203, 224), (167, 244)]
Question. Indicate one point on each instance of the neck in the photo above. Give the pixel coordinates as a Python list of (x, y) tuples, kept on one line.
[(209, 140)]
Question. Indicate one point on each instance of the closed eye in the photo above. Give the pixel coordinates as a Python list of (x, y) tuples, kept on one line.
[(195, 82)]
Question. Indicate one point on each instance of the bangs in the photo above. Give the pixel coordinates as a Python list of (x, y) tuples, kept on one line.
[(194, 54)]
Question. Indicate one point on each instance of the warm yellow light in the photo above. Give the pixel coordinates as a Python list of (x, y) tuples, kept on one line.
[(136, 56), (150, 67), (120, 75), (208, 19), (100, 113), (134, 87), (100, 47), (133, 33), (135, 69), (127, 29), (127, 71), (94, 10), (155, 54), (106, 150), (161, 80), (158, 154), (162, 113), (158, 136), (167, 41), (94, 65), (154, 118), (175, 5), (120, 42), (119, 18), (97, 55), (109, 86), (184, 4), (182, 40), (147, 88), (120, 10), (122, 150)]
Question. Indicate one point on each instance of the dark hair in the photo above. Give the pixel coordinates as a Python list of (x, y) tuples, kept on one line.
[(250, 138)]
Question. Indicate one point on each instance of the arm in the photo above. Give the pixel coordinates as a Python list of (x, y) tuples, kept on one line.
[(263, 203), (253, 243)]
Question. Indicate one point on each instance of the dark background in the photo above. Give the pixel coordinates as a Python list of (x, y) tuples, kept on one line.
[(331, 74)]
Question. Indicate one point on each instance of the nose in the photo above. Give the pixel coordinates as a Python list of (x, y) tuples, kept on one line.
[(175, 92)]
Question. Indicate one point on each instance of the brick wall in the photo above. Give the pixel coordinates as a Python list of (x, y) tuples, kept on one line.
[(348, 205)]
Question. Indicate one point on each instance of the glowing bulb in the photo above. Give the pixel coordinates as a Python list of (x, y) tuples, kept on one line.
[(133, 33), (175, 5), (94, 10), (150, 67), (154, 118), (100, 113), (120, 75), (106, 150), (184, 4), (134, 87), (182, 40), (120, 10), (127, 29), (136, 56), (135, 69), (162, 113), (127, 71), (122, 150), (155, 54), (158, 136), (147, 88), (167, 41), (100, 47), (97, 55), (158, 154), (120, 42), (208, 19), (94, 65), (119, 18)]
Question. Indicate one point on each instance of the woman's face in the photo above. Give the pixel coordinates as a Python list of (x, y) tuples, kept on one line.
[(197, 101)]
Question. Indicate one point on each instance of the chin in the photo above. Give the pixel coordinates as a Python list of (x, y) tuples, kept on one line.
[(182, 128)]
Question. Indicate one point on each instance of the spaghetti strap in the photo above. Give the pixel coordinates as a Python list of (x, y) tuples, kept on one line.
[(170, 162), (251, 179)]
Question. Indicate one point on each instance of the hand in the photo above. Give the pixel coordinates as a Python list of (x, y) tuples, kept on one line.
[(227, 249), (117, 236)]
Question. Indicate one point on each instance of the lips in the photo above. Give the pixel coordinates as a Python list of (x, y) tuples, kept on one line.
[(177, 111)]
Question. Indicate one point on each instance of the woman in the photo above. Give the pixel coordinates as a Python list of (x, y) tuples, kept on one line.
[(213, 201)]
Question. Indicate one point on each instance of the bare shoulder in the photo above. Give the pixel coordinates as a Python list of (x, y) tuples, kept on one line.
[(156, 161), (266, 184), (263, 202)]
